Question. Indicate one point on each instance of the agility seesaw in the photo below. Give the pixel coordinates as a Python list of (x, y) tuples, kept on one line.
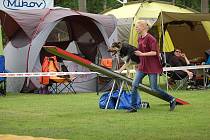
[(86, 63)]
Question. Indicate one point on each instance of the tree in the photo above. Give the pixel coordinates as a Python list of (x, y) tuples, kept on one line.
[(73, 4), (194, 4), (204, 6), (105, 4), (97, 6), (92, 6), (82, 5)]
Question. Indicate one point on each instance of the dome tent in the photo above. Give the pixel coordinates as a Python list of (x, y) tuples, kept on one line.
[(124, 19), (29, 30), (177, 32), (128, 13), (150, 11)]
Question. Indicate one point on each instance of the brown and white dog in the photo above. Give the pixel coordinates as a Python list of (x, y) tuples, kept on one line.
[(126, 53)]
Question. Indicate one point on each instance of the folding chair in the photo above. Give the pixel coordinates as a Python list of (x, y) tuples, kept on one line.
[(59, 85), (177, 79), (102, 79), (56, 84), (106, 62), (207, 71), (207, 79), (2, 79), (180, 78)]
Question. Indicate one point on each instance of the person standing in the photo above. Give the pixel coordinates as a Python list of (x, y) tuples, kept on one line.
[(150, 65)]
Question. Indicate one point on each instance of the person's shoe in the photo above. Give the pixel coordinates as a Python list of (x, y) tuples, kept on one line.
[(132, 110), (172, 104), (145, 105)]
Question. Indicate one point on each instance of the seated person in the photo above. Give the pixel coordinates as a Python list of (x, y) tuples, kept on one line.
[(180, 59), (207, 60)]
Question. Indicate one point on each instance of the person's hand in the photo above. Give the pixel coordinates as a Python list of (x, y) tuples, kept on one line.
[(190, 74), (118, 71), (183, 55), (138, 53)]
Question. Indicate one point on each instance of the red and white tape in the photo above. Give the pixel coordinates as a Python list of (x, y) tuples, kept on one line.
[(186, 67), (38, 74)]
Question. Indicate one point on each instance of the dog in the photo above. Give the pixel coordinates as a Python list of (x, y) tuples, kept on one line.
[(126, 53)]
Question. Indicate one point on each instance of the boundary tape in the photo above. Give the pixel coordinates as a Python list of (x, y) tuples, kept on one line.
[(38, 74)]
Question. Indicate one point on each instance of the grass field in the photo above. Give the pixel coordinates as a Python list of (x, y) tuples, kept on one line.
[(78, 117)]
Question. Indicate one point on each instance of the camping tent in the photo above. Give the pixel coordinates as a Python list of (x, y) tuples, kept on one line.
[(186, 31), (128, 13), (180, 37), (29, 30), (124, 19)]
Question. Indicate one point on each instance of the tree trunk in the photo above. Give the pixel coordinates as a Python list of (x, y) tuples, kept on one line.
[(204, 6), (174, 2), (82, 5), (105, 3)]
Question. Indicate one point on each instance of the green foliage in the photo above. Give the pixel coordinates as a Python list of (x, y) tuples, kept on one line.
[(194, 4), (93, 6), (97, 6), (78, 117), (73, 4), (113, 3)]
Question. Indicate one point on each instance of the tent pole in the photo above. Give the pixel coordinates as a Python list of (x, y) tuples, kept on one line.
[(133, 25), (164, 53)]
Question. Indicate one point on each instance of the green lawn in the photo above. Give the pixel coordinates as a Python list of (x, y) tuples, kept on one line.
[(78, 117)]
